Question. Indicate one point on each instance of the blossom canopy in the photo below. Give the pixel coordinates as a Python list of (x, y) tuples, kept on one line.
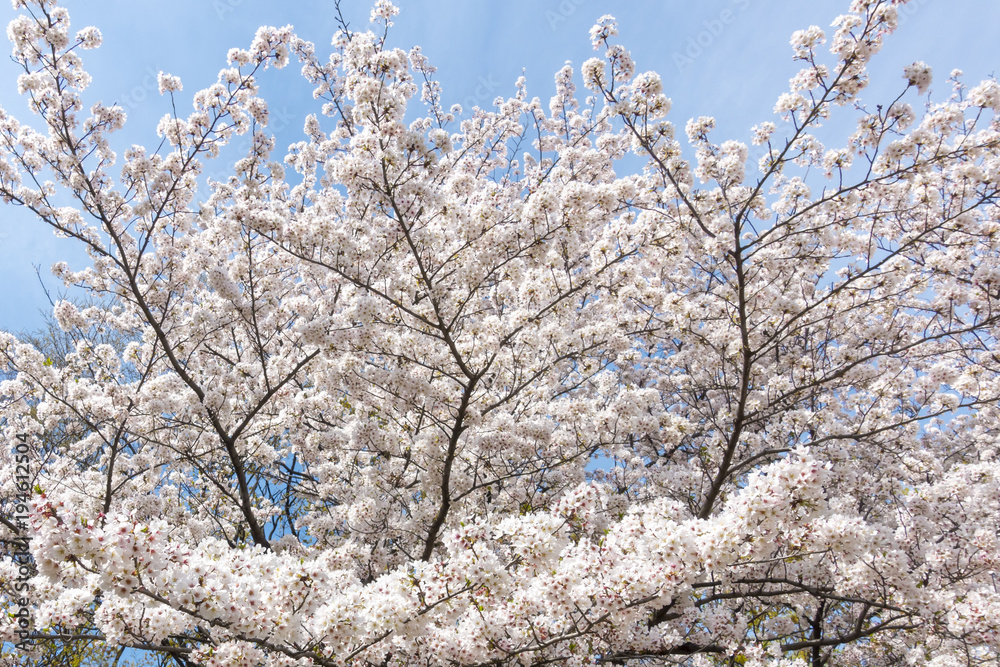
[(514, 385)]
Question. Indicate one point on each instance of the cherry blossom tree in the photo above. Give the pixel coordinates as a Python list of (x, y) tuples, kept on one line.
[(51, 341), (520, 385)]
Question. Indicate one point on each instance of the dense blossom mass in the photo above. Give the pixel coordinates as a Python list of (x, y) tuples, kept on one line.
[(529, 384)]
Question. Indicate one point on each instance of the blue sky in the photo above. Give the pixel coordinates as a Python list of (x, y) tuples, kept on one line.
[(725, 58)]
